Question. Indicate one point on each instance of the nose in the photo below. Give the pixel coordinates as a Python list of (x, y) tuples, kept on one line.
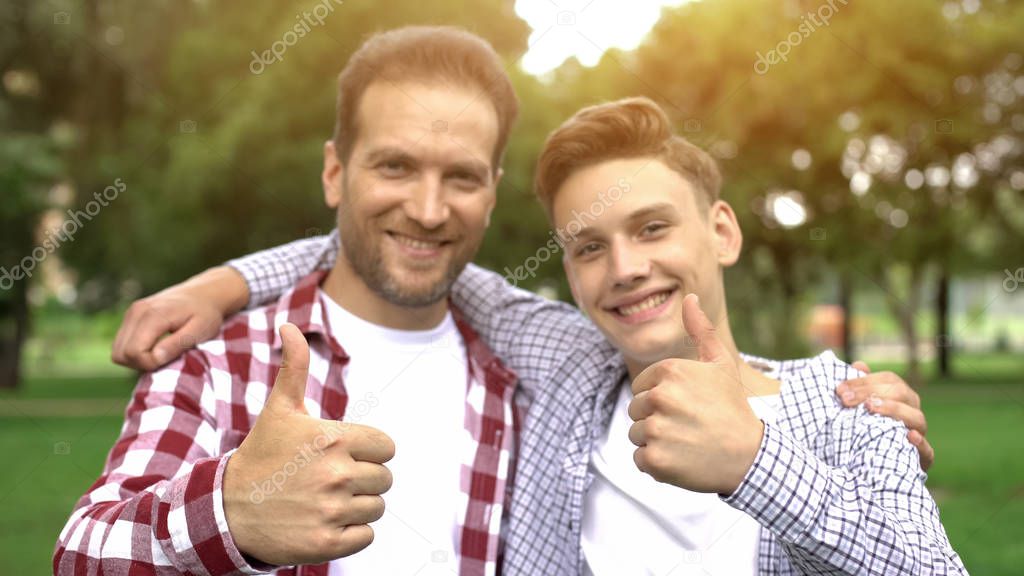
[(628, 266), (428, 205)]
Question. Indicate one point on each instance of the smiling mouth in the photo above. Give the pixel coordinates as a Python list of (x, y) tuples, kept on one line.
[(416, 243), (650, 307)]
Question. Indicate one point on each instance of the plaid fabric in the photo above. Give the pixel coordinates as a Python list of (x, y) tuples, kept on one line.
[(836, 490), (157, 508), (839, 490)]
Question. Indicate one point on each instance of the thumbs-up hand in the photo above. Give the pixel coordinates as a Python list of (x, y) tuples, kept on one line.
[(301, 490), (692, 422)]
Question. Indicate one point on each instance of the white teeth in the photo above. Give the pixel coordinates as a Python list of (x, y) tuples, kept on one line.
[(648, 303), (417, 244)]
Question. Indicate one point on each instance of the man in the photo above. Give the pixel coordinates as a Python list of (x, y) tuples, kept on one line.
[(778, 477), (575, 497), (217, 472)]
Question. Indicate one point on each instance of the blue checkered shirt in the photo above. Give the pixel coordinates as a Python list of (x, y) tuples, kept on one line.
[(836, 490)]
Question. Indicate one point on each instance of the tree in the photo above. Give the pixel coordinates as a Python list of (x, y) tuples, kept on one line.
[(30, 139), (811, 115)]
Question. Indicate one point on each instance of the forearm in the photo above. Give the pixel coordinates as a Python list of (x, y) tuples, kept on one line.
[(222, 286), (829, 518), (161, 327)]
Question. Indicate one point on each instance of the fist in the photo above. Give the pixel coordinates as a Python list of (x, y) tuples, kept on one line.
[(301, 490), (692, 423)]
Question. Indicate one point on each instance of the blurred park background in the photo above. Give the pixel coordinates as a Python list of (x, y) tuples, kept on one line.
[(874, 152)]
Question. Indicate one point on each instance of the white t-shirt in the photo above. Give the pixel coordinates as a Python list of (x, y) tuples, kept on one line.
[(412, 386), (633, 524)]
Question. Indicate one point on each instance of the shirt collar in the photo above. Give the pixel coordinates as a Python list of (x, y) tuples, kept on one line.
[(303, 306)]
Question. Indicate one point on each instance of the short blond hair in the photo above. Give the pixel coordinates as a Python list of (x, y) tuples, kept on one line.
[(628, 128)]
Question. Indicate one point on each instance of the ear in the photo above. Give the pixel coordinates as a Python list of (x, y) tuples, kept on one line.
[(728, 237), (331, 176)]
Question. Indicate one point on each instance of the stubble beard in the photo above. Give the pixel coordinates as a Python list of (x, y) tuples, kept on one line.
[(362, 248)]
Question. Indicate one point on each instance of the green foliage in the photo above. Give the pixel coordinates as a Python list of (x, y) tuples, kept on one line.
[(28, 163), (218, 160)]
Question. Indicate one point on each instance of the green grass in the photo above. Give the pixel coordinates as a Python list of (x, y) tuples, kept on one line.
[(975, 422), (975, 418), (50, 464), (65, 387), (978, 477)]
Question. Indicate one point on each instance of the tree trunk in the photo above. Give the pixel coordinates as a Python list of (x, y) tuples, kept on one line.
[(913, 360), (905, 311), (846, 304), (13, 331), (943, 338)]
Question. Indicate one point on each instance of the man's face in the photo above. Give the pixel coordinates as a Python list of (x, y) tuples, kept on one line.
[(637, 257), (415, 197)]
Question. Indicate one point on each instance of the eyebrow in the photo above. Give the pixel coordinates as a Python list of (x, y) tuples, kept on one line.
[(388, 152), (651, 210), (638, 214), (474, 166)]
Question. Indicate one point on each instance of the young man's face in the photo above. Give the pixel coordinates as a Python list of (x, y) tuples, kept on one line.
[(415, 197), (631, 266)]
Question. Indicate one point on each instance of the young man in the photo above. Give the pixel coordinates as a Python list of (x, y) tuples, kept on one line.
[(778, 477), (217, 472), (578, 504)]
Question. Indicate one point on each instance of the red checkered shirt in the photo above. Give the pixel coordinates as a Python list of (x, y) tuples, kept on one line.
[(157, 508)]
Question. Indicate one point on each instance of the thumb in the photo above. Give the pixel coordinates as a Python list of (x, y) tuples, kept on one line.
[(289, 389), (701, 330)]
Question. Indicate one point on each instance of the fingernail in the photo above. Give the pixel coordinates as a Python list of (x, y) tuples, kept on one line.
[(160, 355), (848, 396), (875, 401)]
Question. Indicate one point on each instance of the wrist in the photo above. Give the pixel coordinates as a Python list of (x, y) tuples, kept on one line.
[(745, 458), (235, 502)]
